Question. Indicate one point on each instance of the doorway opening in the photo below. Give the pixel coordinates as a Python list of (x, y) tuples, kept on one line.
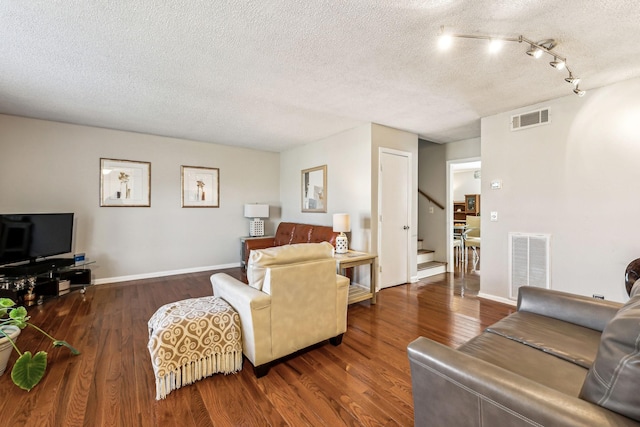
[(464, 180)]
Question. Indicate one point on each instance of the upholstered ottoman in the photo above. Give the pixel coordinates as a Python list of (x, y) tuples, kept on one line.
[(193, 339)]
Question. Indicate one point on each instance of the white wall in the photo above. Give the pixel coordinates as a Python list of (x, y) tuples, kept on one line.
[(465, 183), (576, 179), (54, 167)]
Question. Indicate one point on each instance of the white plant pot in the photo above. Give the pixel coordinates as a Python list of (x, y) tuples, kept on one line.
[(5, 345)]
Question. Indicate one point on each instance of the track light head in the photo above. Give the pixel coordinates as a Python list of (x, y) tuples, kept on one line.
[(445, 41), (573, 80), (495, 45), (535, 52), (558, 64), (579, 92)]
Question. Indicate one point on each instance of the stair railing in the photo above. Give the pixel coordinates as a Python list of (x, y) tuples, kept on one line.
[(431, 199)]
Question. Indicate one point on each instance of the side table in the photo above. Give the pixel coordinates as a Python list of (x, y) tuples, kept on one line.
[(358, 292)]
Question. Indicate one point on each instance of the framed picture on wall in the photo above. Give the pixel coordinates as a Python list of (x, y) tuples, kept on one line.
[(314, 189), (200, 187), (125, 183)]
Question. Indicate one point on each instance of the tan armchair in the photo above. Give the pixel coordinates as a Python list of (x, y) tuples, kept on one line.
[(294, 299)]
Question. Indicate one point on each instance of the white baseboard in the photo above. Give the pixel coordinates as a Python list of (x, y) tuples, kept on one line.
[(163, 273), (497, 299)]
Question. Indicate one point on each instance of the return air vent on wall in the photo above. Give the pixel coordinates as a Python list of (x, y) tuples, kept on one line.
[(531, 119), (528, 261)]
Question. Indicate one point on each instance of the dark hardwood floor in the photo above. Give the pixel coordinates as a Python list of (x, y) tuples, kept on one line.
[(364, 381)]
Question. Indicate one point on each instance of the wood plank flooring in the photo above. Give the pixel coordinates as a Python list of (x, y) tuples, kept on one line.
[(364, 381)]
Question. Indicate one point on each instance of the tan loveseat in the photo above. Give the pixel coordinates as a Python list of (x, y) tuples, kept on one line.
[(294, 299), (289, 233)]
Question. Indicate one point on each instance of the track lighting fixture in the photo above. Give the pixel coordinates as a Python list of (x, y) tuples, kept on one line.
[(536, 50)]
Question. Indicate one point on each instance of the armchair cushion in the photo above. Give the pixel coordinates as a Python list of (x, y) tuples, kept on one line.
[(260, 260), (612, 381)]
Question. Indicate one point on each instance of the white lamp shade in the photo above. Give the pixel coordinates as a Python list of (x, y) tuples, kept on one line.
[(341, 222), (256, 210)]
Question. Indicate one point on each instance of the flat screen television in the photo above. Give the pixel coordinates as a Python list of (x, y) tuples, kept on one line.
[(28, 237)]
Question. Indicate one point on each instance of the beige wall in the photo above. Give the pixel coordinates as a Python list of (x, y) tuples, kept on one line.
[(432, 176), (347, 156), (54, 167), (386, 137), (576, 179), (352, 179)]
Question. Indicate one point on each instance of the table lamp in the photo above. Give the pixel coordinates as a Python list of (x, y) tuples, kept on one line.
[(342, 224), (256, 211)]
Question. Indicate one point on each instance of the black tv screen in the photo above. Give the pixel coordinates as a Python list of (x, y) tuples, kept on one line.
[(31, 236)]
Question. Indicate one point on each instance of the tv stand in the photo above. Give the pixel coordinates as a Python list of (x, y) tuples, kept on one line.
[(36, 268), (48, 278)]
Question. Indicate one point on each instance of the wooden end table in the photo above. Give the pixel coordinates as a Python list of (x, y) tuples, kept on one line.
[(358, 292)]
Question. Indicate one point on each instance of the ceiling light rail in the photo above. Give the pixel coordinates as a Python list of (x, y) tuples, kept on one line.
[(536, 50)]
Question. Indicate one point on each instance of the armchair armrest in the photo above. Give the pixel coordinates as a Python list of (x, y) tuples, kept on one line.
[(455, 389), (581, 310), (254, 309)]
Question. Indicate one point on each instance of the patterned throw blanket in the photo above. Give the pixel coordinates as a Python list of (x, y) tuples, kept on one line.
[(193, 339)]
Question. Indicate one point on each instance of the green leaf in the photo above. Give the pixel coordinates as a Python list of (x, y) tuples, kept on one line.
[(59, 343), (6, 302), (28, 370), (19, 316)]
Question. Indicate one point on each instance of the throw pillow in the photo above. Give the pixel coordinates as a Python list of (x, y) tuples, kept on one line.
[(612, 381)]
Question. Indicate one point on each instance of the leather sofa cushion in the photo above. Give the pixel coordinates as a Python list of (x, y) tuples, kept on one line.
[(565, 340), (284, 234), (527, 362), (612, 381), (293, 232), (260, 260)]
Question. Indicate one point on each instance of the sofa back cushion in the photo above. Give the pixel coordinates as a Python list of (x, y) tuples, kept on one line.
[(289, 233), (260, 260), (302, 233), (612, 381), (284, 233)]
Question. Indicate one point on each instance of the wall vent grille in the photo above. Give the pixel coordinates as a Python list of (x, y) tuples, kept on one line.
[(528, 261), (530, 119)]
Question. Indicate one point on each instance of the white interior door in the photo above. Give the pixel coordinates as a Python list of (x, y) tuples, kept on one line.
[(394, 218)]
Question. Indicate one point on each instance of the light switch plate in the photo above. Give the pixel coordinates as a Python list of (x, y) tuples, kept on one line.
[(496, 184), (494, 216)]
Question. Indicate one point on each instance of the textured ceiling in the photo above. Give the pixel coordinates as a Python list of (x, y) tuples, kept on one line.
[(272, 74)]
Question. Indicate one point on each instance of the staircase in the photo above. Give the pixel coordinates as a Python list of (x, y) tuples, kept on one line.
[(427, 267)]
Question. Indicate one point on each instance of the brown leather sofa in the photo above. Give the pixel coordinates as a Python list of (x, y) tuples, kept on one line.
[(560, 360), (289, 233)]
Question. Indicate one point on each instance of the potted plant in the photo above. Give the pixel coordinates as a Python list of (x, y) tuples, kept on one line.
[(28, 369)]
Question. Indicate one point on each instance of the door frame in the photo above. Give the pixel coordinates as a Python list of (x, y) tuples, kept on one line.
[(410, 192), (451, 166)]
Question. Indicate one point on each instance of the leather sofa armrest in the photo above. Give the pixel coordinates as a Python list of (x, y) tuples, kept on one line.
[(455, 389), (578, 309)]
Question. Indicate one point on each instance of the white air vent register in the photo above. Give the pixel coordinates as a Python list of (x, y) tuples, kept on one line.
[(530, 119), (528, 261)]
